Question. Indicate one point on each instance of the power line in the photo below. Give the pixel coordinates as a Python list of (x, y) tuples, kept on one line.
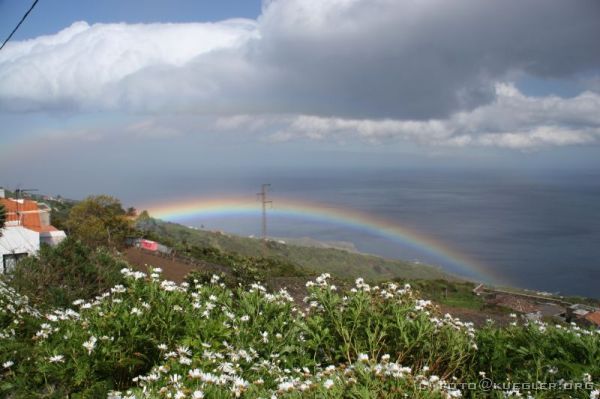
[(19, 24), (263, 198)]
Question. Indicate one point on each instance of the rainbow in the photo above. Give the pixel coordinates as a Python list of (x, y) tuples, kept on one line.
[(181, 210)]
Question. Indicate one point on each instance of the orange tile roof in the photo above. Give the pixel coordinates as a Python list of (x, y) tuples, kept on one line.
[(594, 317), (29, 214)]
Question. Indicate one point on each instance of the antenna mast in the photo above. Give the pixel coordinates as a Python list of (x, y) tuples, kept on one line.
[(21, 192), (263, 199)]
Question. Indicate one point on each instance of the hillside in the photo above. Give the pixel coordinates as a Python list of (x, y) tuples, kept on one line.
[(312, 243), (152, 338), (341, 263), (216, 332)]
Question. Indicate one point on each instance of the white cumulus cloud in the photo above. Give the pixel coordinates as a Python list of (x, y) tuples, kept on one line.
[(87, 66), (512, 120), (427, 71)]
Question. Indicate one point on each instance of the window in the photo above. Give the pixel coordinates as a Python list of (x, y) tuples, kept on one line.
[(9, 261)]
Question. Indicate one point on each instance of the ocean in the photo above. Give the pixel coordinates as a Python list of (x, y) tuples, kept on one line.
[(532, 230)]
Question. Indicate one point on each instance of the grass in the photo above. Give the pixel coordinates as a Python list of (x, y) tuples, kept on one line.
[(341, 263), (457, 294)]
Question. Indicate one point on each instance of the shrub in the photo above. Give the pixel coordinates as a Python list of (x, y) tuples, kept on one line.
[(2, 217), (156, 339), (59, 275), (247, 268)]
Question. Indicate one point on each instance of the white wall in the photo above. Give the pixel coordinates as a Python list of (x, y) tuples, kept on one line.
[(52, 238), (16, 240)]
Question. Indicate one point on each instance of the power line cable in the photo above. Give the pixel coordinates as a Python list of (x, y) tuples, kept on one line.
[(19, 24)]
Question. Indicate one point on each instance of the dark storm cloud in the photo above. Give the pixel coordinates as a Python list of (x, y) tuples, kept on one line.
[(420, 59), (347, 58)]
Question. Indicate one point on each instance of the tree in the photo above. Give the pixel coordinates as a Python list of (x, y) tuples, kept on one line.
[(99, 221), (2, 218)]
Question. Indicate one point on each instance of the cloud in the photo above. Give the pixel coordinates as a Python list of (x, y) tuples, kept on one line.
[(540, 137), (512, 120), (104, 65), (592, 83), (365, 59), (151, 129)]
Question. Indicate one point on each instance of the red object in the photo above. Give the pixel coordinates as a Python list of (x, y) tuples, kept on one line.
[(593, 318), (29, 214), (149, 245)]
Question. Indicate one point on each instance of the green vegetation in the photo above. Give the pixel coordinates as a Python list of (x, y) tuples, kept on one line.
[(76, 322), (340, 263), (2, 217), (451, 293), (243, 270), (99, 221), (59, 275), (150, 338), (60, 213)]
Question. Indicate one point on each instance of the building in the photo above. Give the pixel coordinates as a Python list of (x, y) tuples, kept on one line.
[(17, 242), (583, 315), (149, 245), (27, 226), (593, 319), (576, 312)]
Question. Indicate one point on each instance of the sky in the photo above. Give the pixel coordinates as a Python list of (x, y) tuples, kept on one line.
[(101, 96)]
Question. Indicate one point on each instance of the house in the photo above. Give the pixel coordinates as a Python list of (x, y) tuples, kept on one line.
[(593, 319), (577, 311), (16, 243), (583, 315), (27, 226)]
